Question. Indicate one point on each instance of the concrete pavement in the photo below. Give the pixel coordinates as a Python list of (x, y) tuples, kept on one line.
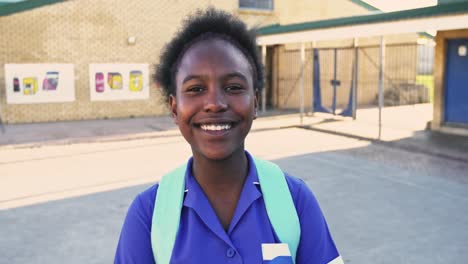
[(402, 127), (65, 203)]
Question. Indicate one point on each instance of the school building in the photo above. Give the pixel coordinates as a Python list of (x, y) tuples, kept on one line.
[(451, 78), (83, 59), (397, 71)]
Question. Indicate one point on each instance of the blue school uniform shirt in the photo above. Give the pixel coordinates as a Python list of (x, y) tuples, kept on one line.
[(202, 239)]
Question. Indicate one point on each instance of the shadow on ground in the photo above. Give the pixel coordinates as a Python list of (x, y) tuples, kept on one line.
[(383, 205)]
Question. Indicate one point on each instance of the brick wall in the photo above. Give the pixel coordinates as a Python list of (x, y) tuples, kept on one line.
[(82, 32), (88, 31)]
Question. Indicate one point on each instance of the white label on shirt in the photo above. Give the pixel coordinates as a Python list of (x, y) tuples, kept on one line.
[(271, 251), (337, 260)]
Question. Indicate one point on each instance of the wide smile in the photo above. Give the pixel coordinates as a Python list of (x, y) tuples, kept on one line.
[(216, 128)]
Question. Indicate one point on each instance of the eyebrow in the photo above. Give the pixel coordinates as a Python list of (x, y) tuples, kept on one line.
[(234, 75), (227, 76), (191, 77)]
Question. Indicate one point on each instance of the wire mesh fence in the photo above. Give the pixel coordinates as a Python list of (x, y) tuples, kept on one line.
[(407, 77)]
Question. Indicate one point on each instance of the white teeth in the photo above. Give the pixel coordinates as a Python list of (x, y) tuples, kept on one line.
[(216, 127)]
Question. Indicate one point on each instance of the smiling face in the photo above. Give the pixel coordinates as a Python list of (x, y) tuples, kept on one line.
[(215, 102)]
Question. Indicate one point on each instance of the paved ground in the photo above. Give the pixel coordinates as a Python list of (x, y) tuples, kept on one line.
[(66, 203), (402, 127), (59, 133)]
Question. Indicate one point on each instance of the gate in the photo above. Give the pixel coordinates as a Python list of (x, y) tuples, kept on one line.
[(341, 80), (334, 81)]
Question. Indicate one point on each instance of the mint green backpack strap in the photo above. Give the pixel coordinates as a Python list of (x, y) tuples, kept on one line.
[(169, 199), (279, 204), (166, 214)]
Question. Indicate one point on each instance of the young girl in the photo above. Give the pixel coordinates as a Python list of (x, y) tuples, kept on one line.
[(211, 75)]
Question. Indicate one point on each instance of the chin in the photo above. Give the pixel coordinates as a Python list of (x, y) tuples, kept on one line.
[(218, 154)]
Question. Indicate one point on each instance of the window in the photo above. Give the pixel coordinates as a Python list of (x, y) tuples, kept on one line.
[(256, 4)]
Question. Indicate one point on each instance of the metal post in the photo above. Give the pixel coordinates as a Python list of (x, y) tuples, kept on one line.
[(2, 128), (335, 81), (381, 82), (302, 81), (312, 97), (355, 77), (264, 51)]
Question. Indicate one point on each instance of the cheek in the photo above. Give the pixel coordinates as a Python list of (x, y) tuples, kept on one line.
[(250, 100), (185, 110), (246, 104)]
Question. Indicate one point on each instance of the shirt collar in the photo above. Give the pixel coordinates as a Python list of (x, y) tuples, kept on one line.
[(196, 199)]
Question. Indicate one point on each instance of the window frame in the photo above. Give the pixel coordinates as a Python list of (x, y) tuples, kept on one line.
[(256, 7)]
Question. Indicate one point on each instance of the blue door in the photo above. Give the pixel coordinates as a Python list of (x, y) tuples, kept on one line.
[(456, 86)]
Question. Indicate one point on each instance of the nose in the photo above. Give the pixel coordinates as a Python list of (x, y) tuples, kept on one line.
[(215, 100)]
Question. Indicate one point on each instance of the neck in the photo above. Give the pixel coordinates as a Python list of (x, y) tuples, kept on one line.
[(222, 182), (228, 173)]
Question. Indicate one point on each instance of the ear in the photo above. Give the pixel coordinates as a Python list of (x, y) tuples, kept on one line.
[(173, 106)]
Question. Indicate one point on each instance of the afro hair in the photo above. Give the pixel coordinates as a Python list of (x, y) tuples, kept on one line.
[(201, 25)]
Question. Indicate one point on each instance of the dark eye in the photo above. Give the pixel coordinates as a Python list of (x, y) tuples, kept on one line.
[(195, 89), (234, 88)]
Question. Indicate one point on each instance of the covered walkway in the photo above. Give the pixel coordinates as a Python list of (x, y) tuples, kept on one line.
[(349, 32)]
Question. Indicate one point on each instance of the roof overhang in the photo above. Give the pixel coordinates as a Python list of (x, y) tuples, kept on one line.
[(10, 7), (447, 17)]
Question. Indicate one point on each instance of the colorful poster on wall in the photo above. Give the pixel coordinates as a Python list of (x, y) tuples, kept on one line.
[(110, 82), (39, 83)]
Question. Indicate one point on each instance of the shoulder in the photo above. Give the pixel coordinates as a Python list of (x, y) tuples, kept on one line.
[(137, 227), (302, 195), (140, 211), (316, 244), (144, 201)]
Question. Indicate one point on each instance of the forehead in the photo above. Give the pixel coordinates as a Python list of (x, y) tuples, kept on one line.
[(214, 54)]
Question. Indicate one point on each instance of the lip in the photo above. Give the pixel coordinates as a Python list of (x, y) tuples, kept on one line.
[(216, 133)]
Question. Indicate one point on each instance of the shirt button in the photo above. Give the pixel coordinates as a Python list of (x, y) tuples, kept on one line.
[(230, 253)]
